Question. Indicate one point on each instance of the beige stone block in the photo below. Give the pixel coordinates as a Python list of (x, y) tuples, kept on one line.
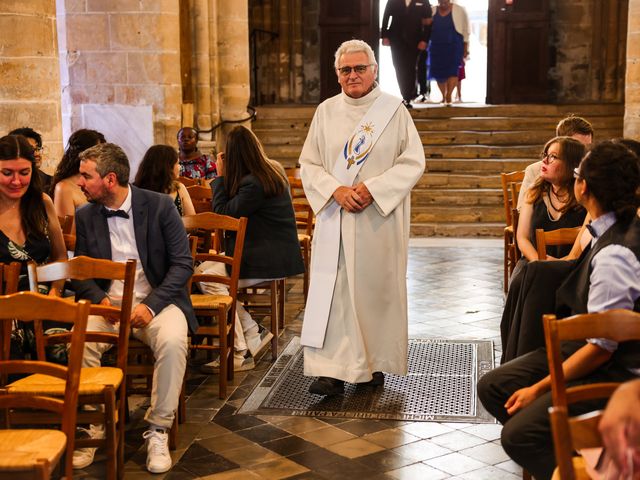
[(75, 6), (99, 68), (87, 32), (34, 7), (633, 71), (164, 6), (632, 94), (156, 68), (30, 79), (119, 6), (632, 126), (633, 46), (80, 94), (23, 35), (141, 95), (145, 31), (42, 116)]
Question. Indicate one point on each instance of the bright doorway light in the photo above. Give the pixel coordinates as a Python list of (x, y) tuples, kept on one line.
[(474, 87)]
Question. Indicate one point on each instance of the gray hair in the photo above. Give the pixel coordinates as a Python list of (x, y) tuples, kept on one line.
[(355, 46), (109, 157)]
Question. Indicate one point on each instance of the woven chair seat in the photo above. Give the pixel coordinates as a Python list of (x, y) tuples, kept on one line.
[(579, 468), (92, 382), (201, 300), (22, 449)]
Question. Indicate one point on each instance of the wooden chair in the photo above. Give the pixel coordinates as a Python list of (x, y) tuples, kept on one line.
[(9, 275), (509, 203), (189, 182), (66, 223), (201, 197), (98, 385), (267, 297), (29, 453), (572, 433), (218, 312), (304, 222), (561, 236), (297, 190)]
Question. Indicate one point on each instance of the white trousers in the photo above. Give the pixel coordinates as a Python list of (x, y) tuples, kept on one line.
[(166, 335), (244, 325)]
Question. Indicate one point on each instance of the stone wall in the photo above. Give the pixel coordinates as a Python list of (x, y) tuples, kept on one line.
[(587, 44), (121, 52), (632, 93), (30, 86)]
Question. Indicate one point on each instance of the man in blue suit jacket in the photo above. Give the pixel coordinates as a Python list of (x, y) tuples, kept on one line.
[(122, 222)]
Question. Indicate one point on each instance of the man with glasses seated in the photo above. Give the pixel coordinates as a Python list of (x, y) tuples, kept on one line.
[(361, 158)]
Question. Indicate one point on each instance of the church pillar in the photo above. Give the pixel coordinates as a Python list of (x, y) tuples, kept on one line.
[(230, 56), (30, 87), (632, 89)]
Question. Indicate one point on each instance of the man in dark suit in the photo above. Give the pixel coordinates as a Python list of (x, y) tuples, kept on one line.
[(407, 36), (122, 222)]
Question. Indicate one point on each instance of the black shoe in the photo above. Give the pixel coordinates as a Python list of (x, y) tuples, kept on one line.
[(327, 386), (377, 380), (407, 103)]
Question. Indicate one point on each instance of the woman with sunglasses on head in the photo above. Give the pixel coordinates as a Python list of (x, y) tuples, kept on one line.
[(605, 277), (550, 203)]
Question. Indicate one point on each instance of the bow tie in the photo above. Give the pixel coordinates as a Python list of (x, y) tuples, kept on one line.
[(592, 230), (114, 213)]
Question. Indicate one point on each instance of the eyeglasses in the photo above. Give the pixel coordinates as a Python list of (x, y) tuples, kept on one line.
[(576, 172), (549, 158), (359, 69)]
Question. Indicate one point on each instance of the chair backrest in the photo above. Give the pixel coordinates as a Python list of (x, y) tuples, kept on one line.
[(200, 197), (561, 236), (87, 268), (219, 224), (66, 223), (304, 218), (188, 182), (297, 190), (9, 276), (30, 306), (571, 434), (506, 179)]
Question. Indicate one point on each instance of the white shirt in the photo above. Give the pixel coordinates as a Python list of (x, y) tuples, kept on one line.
[(123, 248)]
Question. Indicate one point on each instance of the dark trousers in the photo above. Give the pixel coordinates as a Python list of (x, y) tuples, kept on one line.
[(404, 62), (526, 436), (424, 86)]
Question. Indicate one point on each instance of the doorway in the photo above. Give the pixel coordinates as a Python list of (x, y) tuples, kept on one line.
[(474, 87)]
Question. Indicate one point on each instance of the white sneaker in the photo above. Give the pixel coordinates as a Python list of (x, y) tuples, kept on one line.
[(83, 457), (158, 457), (256, 343), (240, 364)]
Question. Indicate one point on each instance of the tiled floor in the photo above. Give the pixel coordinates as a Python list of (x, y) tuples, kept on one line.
[(455, 292)]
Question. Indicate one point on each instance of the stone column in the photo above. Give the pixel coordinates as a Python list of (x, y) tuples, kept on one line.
[(231, 56), (632, 84), (30, 86)]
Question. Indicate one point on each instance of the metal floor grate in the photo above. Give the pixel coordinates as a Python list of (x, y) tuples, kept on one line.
[(440, 386)]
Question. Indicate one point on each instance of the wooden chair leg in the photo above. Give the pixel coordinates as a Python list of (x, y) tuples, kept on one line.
[(111, 435), (281, 302), (275, 321)]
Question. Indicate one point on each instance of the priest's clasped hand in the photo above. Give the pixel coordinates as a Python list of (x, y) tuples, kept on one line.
[(353, 199)]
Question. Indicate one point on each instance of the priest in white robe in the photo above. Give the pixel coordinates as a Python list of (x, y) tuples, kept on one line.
[(355, 324)]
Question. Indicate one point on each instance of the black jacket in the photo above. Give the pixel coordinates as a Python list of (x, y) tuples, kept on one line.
[(271, 246), (406, 22)]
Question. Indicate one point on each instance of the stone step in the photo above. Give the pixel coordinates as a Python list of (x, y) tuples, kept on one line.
[(431, 229), (454, 196), (456, 214), (466, 110), (462, 137)]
